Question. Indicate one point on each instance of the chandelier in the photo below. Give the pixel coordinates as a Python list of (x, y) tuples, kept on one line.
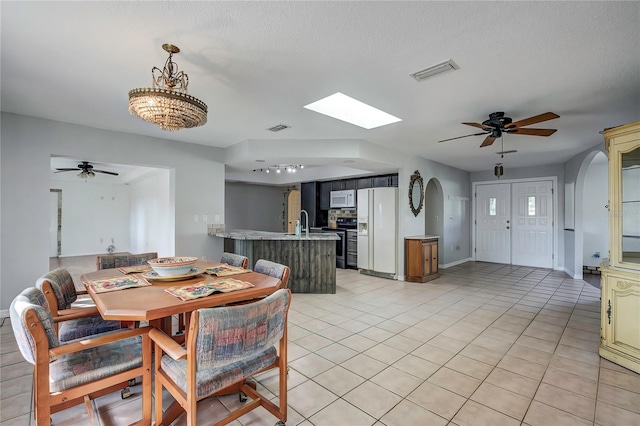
[(288, 168), (168, 105)]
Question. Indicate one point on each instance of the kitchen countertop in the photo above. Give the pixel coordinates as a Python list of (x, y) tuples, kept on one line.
[(245, 234), (422, 237)]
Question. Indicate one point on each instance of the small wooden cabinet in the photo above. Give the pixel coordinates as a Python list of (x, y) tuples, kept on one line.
[(421, 258), (620, 282)]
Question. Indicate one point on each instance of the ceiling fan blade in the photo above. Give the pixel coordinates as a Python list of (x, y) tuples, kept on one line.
[(64, 170), (532, 132), (487, 141), (533, 120), (105, 172), (481, 126), (465, 136)]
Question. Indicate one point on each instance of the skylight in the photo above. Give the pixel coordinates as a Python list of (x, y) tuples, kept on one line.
[(352, 111)]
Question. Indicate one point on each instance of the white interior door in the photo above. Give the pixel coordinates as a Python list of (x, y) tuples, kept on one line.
[(493, 213), (532, 230), (293, 211)]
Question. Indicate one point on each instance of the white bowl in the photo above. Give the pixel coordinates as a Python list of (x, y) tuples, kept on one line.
[(172, 266)]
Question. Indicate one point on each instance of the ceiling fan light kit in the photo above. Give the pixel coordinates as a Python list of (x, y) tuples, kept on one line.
[(168, 105), (498, 170), (86, 170)]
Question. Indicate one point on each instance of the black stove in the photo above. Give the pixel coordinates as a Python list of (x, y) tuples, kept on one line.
[(343, 224)]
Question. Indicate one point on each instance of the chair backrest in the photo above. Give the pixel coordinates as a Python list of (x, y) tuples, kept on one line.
[(273, 269), (235, 260), (31, 299), (228, 334), (63, 290), (110, 261)]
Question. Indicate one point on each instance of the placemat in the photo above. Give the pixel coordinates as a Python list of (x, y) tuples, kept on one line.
[(203, 289), (117, 283), (135, 269), (225, 270)]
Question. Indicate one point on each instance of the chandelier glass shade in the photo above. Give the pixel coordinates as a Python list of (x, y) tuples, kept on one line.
[(167, 103)]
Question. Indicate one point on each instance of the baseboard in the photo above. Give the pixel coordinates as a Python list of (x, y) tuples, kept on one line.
[(4, 313), (573, 275), (457, 262)]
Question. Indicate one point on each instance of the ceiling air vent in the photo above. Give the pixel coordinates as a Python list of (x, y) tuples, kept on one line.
[(448, 65), (278, 127)]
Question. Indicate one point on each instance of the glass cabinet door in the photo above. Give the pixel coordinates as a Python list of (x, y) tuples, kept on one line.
[(630, 206)]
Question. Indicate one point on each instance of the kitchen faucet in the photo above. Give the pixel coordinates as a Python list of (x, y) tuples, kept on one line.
[(306, 222)]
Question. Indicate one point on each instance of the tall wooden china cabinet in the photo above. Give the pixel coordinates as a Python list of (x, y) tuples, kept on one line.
[(620, 315)]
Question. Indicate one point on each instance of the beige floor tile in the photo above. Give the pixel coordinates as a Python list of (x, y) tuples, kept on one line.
[(295, 332), (454, 381), (492, 343), (309, 398), (630, 382), (501, 400), (416, 366), (406, 413), (372, 399), (392, 326), (470, 367), (403, 344), (433, 354), (530, 354), (358, 343), (538, 344), (397, 381), (437, 400), (418, 334), (364, 365), (377, 334), (15, 405), (341, 412), (295, 351), (543, 415), (313, 342), (339, 380), (336, 353), (578, 354), (311, 365), (567, 401), (610, 415), (384, 353), (578, 368), (522, 367), (271, 380), (334, 333), (488, 356), (24, 420), (513, 382), (448, 343), (621, 398), (354, 326), (549, 336), (474, 414), (571, 382), (585, 345)]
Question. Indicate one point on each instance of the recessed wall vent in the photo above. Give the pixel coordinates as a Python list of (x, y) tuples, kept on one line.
[(278, 127), (445, 66)]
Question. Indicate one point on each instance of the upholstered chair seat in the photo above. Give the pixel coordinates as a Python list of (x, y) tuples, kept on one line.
[(60, 292)]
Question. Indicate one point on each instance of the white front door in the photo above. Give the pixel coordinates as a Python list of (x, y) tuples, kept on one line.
[(532, 230), (493, 213)]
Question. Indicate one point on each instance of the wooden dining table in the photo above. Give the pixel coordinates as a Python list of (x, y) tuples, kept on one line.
[(153, 304)]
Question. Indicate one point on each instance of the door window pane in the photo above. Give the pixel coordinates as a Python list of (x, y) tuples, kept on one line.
[(531, 206), (493, 206)]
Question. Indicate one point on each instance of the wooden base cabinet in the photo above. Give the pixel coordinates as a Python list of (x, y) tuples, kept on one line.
[(620, 282), (421, 258)]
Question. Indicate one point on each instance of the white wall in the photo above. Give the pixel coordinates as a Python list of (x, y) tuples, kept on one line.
[(257, 207), (151, 215), (595, 224), (197, 187), (93, 214)]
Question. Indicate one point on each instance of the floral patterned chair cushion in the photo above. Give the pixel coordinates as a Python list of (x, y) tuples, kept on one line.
[(234, 259), (273, 269), (232, 343), (31, 298), (110, 261), (65, 294)]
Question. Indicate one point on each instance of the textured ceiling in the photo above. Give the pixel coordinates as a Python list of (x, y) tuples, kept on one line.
[(256, 64)]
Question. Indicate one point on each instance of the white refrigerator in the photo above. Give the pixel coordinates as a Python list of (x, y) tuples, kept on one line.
[(377, 229)]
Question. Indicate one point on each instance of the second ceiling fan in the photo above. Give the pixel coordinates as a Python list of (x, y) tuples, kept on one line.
[(497, 124)]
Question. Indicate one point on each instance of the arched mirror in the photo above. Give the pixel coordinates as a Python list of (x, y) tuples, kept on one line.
[(416, 193)]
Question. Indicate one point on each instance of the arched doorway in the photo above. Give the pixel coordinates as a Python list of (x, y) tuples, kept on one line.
[(434, 212), (293, 210)]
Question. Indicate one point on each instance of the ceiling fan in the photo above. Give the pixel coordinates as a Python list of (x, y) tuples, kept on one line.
[(86, 170), (497, 124)]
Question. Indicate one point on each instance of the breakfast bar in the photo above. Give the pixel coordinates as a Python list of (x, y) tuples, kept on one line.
[(311, 258)]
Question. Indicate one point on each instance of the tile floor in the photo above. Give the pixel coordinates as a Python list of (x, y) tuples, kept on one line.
[(485, 344)]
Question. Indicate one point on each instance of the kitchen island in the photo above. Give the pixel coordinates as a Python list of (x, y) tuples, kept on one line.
[(311, 258)]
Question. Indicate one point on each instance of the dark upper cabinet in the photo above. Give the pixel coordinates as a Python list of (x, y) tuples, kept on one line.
[(379, 181), (394, 180), (309, 200), (350, 184), (337, 185), (363, 183), (325, 195)]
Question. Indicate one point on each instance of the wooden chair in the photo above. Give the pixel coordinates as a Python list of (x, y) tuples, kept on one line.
[(222, 351), (110, 261), (70, 322), (71, 374), (273, 269), (235, 260)]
